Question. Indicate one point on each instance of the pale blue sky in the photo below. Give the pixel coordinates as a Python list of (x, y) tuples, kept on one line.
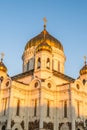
[(20, 20)]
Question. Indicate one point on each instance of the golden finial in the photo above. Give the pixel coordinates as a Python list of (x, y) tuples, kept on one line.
[(45, 21), (2, 56), (85, 58)]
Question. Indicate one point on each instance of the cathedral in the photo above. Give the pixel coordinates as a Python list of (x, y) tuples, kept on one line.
[(43, 97)]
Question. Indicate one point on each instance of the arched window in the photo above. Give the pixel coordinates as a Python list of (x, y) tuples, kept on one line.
[(48, 63), (28, 65), (3, 127), (38, 63), (78, 112), (5, 105), (16, 129), (18, 108), (35, 107), (36, 85), (52, 64), (58, 66), (48, 108), (65, 109)]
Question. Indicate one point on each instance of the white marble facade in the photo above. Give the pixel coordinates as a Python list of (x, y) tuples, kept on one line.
[(42, 97)]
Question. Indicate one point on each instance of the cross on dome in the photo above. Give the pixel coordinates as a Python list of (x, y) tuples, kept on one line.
[(85, 58), (2, 56), (45, 21)]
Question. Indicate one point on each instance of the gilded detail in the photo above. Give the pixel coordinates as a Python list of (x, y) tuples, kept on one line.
[(44, 35), (83, 70), (43, 46), (3, 67)]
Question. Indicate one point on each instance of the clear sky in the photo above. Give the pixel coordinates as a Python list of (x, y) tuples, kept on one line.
[(20, 20)]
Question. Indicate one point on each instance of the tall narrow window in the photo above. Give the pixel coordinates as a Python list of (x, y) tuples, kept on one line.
[(5, 105), (35, 107), (65, 109), (48, 108), (18, 108), (28, 66), (52, 64), (78, 109), (38, 63), (58, 66), (48, 63)]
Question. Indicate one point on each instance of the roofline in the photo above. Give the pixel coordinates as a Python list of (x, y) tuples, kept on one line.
[(63, 76), (56, 73), (22, 75)]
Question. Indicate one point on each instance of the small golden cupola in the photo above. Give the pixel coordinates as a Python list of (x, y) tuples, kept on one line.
[(3, 68), (83, 70), (43, 46)]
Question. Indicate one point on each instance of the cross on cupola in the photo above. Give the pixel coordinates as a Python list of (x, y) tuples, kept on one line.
[(85, 59), (2, 56), (45, 21), (44, 31)]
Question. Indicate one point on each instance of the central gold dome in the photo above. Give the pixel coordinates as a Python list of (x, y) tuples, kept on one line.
[(44, 35)]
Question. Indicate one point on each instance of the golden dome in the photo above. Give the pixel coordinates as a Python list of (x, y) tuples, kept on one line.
[(83, 70), (3, 67), (44, 36), (43, 46)]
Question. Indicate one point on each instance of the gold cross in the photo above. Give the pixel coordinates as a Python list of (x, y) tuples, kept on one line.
[(45, 20), (2, 56), (85, 58)]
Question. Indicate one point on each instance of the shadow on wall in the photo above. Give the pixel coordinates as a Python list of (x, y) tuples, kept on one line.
[(66, 117), (21, 118)]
